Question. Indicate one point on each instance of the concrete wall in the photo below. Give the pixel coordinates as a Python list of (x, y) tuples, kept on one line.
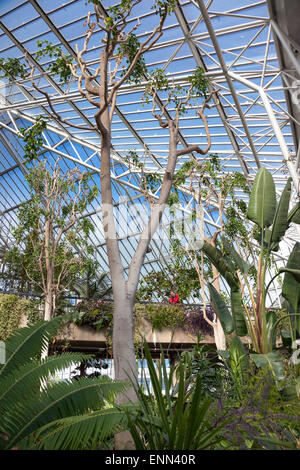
[(167, 335)]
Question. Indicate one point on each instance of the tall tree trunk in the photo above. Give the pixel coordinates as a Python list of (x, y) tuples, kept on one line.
[(123, 349), (124, 356), (48, 305), (123, 345), (49, 269), (48, 311), (124, 359)]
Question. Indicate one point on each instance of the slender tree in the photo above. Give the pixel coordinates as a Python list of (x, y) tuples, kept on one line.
[(217, 192), (51, 240)]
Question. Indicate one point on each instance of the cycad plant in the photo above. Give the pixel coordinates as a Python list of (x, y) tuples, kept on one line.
[(39, 412), (272, 220)]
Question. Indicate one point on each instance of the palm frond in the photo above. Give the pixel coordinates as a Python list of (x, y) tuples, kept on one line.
[(31, 375), (60, 400), (29, 400), (27, 343), (83, 432)]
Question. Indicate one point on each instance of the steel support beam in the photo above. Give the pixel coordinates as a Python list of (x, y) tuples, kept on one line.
[(200, 63), (229, 81)]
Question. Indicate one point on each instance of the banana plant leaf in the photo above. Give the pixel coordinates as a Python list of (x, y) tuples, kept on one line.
[(221, 309), (262, 202), (237, 313), (266, 235), (298, 386), (294, 214), (228, 261), (217, 259), (281, 223), (271, 319), (291, 286), (272, 361), (294, 272), (286, 338), (241, 264)]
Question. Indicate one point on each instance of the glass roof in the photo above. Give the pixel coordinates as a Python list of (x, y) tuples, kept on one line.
[(233, 41)]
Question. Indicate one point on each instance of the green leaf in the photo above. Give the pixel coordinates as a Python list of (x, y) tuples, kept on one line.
[(30, 397), (27, 343), (221, 309), (294, 214), (239, 360), (286, 338), (298, 386), (281, 223), (266, 236), (237, 313), (217, 259), (31, 374), (262, 202), (225, 354), (241, 264), (62, 399), (294, 272), (177, 419), (80, 432), (271, 360), (271, 319), (290, 286)]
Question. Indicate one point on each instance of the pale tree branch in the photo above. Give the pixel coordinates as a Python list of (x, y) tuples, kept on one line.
[(201, 282), (113, 106), (82, 64), (144, 47), (73, 214), (157, 212), (159, 117), (31, 278), (196, 148), (121, 23), (46, 95), (158, 209)]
